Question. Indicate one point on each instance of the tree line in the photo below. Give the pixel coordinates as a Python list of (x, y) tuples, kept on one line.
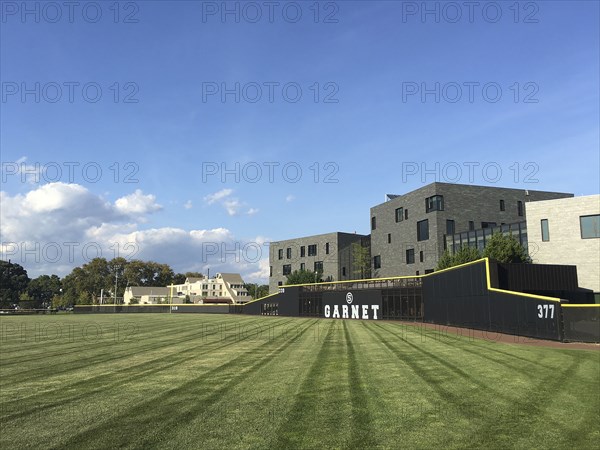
[(85, 283)]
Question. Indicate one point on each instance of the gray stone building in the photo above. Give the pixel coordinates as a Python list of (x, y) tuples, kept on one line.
[(329, 253), (407, 231)]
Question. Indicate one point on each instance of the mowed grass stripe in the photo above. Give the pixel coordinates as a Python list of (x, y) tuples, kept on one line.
[(323, 384), (166, 334), (111, 378), (186, 399)]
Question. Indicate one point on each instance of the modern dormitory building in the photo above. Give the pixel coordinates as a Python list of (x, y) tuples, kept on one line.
[(330, 254), (408, 232)]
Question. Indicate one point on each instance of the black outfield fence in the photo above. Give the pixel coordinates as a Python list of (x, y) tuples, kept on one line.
[(473, 295), (581, 323)]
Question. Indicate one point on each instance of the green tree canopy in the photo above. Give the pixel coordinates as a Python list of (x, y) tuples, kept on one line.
[(304, 277), (505, 248), (43, 289), (13, 282), (464, 255)]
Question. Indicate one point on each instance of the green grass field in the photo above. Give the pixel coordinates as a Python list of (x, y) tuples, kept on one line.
[(200, 381)]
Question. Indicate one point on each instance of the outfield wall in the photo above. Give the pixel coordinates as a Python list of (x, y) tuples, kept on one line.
[(176, 308), (465, 296)]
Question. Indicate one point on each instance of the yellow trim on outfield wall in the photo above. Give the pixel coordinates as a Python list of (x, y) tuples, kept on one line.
[(258, 299), (487, 274), (164, 304), (578, 305)]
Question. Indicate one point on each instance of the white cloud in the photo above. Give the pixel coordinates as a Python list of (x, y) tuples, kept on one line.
[(32, 174), (232, 205), (56, 227), (220, 195), (188, 205), (290, 198), (137, 203)]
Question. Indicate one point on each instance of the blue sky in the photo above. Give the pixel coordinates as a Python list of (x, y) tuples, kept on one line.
[(528, 106)]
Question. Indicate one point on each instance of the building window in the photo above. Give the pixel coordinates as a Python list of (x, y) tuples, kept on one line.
[(287, 269), (410, 256), (428, 271), (270, 271), (405, 214), (319, 266), (423, 230), (288, 253), (373, 223), (377, 262), (312, 250), (389, 238), (343, 271), (502, 208), (471, 225), (545, 230), (488, 224), (302, 251), (520, 208), (302, 266), (449, 226), (421, 256), (399, 214), (590, 227), (417, 272), (280, 253), (435, 203), (279, 283), (327, 248)]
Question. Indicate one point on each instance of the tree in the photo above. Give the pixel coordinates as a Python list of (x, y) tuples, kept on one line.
[(361, 259), (464, 255), (505, 248), (256, 290), (13, 282), (304, 277), (43, 289)]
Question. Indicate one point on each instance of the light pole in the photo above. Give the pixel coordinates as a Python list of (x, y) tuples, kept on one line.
[(116, 281)]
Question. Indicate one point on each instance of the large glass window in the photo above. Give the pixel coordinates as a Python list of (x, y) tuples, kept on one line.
[(312, 250), (410, 256), (399, 214), (377, 262), (287, 269), (423, 230), (318, 266), (545, 230), (435, 203), (590, 227)]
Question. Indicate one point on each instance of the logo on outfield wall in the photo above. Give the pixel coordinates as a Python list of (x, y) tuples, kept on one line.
[(362, 304)]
